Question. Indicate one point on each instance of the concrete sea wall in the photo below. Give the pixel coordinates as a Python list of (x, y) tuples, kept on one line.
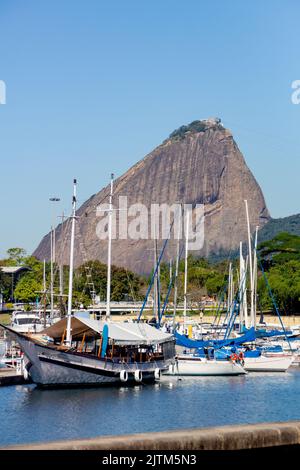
[(233, 437)]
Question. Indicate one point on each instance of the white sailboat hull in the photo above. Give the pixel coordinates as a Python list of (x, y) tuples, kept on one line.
[(194, 366), (268, 364)]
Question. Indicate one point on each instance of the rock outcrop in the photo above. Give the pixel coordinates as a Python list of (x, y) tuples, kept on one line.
[(198, 164)]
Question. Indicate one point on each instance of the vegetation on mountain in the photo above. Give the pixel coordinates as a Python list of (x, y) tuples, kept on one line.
[(273, 227), (280, 259), (193, 127)]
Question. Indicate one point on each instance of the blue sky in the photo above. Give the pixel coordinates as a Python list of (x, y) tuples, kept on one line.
[(93, 86)]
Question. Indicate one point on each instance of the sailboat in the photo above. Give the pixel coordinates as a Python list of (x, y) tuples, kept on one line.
[(254, 360), (191, 362), (194, 365), (80, 352)]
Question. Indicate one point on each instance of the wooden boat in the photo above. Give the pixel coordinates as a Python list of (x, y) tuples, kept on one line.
[(99, 353), (77, 351)]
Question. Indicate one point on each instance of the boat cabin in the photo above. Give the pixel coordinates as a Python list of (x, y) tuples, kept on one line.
[(117, 342)]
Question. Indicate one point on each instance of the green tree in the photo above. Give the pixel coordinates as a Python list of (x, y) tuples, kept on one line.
[(27, 289), (124, 283), (16, 256), (284, 280), (282, 248), (5, 285), (204, 277)]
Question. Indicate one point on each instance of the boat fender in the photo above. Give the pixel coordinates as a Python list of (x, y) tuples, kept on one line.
[(157, 373), (138, 376), (123, 375), (25, 374)]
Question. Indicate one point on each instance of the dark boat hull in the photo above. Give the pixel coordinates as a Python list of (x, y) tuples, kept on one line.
[(50, 367)]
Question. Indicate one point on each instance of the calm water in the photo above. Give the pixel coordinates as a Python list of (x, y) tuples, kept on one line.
[(28, 414)]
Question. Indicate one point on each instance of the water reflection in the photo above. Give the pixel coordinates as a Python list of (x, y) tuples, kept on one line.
[(28, 414)]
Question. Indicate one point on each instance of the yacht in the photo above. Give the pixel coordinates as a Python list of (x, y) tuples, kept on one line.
[(26, 322)]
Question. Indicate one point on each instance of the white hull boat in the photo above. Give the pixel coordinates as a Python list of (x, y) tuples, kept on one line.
[(268, 363), (26, 322), (198, 366)]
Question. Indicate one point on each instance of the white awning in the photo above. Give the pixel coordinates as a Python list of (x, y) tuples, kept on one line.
[(135, 333), (13, 269)]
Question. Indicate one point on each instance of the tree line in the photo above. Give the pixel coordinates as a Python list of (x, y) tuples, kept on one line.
[(279, 258)]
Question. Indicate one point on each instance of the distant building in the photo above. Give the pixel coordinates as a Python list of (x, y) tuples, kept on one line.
[(15, 272)]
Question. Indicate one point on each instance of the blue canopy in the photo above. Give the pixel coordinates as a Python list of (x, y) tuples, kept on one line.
[(182, 340), (268, 334)]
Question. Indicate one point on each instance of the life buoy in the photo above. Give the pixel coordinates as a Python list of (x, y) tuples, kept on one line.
[(234, 357), (241, 358)]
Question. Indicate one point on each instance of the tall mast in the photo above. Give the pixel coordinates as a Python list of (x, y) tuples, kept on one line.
[(69, 313), (229, 295), (44, 291), (254, 282), (158, 285), (186, 263), (245, 307), (241, 291), (109, 247), (44, 275), (61, 268), (51, 274), (250, 266), (157, 277), (155, 286), (179, 226)]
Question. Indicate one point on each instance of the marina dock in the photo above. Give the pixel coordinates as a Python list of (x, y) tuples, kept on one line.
[(11, 377)]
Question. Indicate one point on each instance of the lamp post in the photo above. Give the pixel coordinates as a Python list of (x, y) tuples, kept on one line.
[(108, 287), (52, 260)]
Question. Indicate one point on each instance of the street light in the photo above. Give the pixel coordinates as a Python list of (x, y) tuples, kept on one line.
[(52, 243), (53, 199)]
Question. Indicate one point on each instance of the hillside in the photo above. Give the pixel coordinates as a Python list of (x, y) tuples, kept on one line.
[(199, 163), (289, 224)]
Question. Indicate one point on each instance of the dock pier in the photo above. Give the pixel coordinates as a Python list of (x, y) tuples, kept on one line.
[(10, 376)]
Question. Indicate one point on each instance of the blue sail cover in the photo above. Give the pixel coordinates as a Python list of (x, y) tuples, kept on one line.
[(269, 334), (182, 340)]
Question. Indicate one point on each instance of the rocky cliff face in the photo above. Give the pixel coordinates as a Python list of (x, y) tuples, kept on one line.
[(198, 164)]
